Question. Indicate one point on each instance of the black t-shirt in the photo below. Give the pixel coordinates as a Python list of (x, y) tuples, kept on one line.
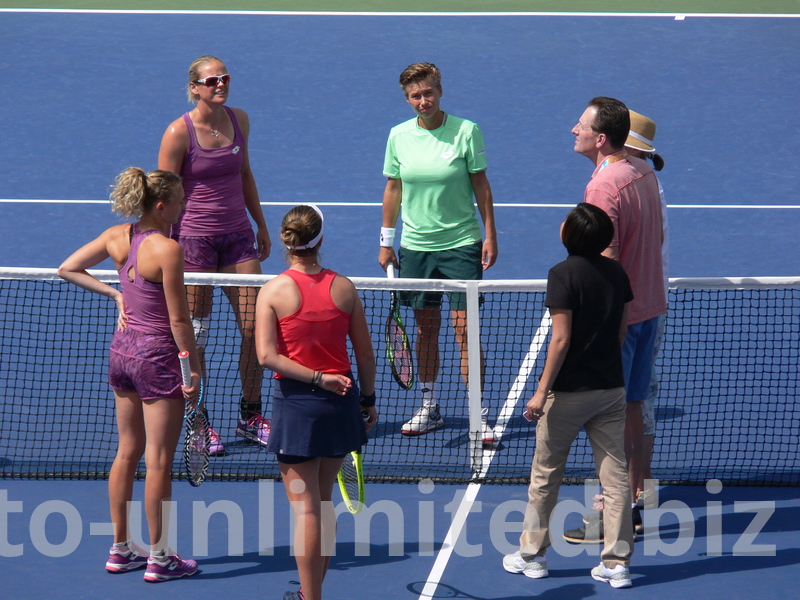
[(595, 290)]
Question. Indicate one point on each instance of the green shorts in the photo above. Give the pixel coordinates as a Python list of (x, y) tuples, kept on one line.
[(463, 262)]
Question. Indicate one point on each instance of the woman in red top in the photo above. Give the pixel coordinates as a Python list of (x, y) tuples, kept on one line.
[(303, 319)]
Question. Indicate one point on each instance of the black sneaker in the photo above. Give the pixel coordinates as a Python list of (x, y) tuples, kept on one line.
[(638, 527), (592, 530), (589, 533)]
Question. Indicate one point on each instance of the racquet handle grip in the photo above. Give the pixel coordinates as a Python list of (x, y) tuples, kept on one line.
[(390, 271), (186, 372)]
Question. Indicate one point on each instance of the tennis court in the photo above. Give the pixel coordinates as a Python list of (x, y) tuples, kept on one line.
[(92, 93)]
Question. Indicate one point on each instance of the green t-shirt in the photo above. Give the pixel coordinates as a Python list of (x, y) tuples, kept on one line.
[(438, 211)]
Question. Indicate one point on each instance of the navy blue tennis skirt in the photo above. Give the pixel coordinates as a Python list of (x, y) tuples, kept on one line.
[(309, 421)]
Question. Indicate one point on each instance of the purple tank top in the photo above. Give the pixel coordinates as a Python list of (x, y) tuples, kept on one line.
[(145, 302), (212, 181)]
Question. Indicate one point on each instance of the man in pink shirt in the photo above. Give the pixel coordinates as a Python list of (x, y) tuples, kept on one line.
[(626, 188)]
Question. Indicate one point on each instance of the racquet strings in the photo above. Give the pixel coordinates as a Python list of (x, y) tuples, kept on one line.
[(400, 350), (197, 443), (350, 479)]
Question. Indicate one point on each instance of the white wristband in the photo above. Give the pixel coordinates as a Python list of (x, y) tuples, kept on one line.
[(387, 236)]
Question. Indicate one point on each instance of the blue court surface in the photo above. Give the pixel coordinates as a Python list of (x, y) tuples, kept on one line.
[(735, 543), (93, 94), (89, 94)]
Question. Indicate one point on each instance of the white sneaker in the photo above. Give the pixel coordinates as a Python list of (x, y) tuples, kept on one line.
[(487, 433), (536, 569), (426, 419), (618, 577)]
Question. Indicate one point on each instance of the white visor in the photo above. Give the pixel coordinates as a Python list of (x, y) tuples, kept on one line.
[(318, 237)]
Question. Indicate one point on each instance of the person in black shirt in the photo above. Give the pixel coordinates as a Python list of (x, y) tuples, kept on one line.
[(582, 386)]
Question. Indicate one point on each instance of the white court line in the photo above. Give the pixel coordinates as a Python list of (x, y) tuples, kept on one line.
[(496, 205), (460, 517), (449, 544), (311, 13), (512, 400)]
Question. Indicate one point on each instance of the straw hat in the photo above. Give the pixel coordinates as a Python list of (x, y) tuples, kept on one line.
[(642, 133)]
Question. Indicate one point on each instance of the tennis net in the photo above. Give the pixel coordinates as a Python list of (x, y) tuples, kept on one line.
[(728, 402)]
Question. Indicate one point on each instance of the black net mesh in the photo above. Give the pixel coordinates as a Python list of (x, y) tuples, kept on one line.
[(728, 402)]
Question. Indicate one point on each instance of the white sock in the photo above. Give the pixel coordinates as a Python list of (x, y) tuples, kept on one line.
[(428, 393)]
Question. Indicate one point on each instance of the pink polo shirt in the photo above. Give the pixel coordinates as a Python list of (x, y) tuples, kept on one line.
[(627, 190)]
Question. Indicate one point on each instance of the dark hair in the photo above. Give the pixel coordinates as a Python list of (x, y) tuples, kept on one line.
[(300, 226), (587, 230), (419, 72), (612, 119), (658, 162)]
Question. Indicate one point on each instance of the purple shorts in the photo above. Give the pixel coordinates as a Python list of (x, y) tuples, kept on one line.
[(144, 363), (213, 252)]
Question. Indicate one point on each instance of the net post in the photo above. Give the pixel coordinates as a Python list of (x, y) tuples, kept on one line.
[(474, 388)]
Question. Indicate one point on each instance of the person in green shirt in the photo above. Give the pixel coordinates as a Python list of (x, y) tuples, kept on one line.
[(436, 164)]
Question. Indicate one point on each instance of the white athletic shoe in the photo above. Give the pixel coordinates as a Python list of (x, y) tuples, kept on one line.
[(536, 569), (618, 577), (426, 419)]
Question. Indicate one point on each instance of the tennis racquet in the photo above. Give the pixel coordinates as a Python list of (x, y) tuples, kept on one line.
[(351, 479), (351, 482), (398, 349), (197, 439)]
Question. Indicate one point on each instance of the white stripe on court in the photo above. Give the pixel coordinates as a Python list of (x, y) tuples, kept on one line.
[(509, 408), (450, 540), (512, 400), (496, 205), (311, 13)]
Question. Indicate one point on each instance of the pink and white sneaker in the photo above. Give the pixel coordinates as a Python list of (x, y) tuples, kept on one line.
[(215, 448), (124, 558), (169, 566), (256, 429)]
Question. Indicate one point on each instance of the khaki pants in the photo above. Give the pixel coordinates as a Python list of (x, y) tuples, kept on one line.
[(602, 414)]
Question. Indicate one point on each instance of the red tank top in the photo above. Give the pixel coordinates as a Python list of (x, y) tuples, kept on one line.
[(315, 335)]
